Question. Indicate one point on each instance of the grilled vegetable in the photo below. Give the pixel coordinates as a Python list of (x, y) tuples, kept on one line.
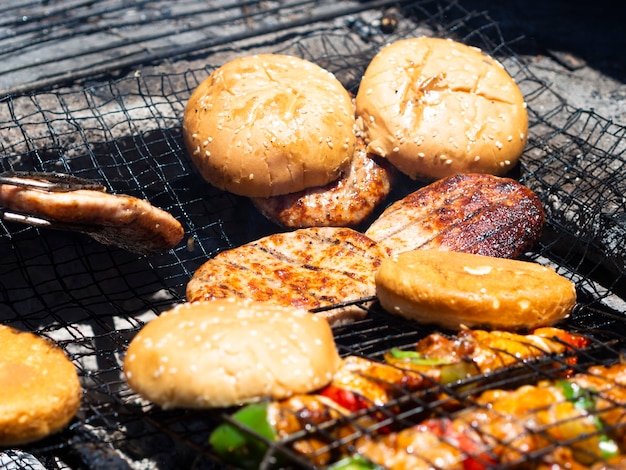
[(361, 384), (272, 421), (559, 420), (241, 447), (355, 462), (478, 351)]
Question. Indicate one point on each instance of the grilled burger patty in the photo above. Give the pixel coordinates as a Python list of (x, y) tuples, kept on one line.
[(124, 221), (346, 202), (308, 268), (472, 213)]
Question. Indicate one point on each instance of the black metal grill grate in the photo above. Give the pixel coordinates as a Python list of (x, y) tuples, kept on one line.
[(116, 120)]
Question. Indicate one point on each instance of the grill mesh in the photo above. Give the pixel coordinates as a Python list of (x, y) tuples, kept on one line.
[(112, 113)]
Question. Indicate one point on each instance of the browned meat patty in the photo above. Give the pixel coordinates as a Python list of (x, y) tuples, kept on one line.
[(308, 268), (346, 202), (123, 221), (471, 213)]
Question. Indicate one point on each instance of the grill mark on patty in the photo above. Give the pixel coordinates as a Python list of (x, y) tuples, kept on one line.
[(308, 268)]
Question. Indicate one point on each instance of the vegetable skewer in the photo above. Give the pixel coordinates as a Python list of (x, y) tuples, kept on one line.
[(572, 423), (369, 386)]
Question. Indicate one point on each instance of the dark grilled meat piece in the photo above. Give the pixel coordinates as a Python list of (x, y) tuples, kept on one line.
[(471, 213)]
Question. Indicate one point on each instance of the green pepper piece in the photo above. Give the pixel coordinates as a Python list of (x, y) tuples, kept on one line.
[(608, 447), (355, 462), (583, 399), (239, 447), (451, 371), (416, 358)]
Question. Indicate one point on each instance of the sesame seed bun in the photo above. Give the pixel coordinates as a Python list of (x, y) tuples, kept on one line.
[(39, 388), (269, 124), (228, 352), (435, 107), (455, 290)]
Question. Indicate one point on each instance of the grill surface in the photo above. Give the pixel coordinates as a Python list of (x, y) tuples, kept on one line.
[(111, 111)]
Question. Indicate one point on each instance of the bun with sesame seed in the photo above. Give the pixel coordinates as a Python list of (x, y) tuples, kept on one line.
[(269, 124), (40, 392), (228, 352), (457, 290), (435, 107)]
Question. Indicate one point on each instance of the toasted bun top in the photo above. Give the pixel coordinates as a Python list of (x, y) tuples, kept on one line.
[(457, 290), (269, 124), (226, 352), (435, 107), (39, 388)]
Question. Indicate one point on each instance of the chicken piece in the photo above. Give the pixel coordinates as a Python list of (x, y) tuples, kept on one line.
[(309, 268), (416, 448), (608, 386), (472, 213), (299, 412), (346, 202), (486, 350), (557, 425)]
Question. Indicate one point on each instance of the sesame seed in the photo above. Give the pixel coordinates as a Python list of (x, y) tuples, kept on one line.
[(207, 153), (158, 372), (421, 154), (477, 158)]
